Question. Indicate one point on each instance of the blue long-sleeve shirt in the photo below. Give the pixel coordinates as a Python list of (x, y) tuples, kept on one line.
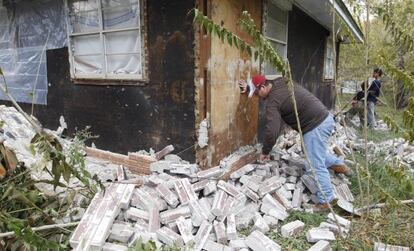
[(375, 88)]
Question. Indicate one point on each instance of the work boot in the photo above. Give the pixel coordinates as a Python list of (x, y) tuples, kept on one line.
[(324, 207), (342, 169)]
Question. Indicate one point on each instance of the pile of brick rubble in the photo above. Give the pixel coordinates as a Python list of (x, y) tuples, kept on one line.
[(178, 204)]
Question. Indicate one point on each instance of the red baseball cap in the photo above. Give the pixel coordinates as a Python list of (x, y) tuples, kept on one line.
[(258, 80)]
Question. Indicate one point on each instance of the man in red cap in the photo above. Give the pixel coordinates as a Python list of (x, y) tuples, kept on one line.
[(316, 123)]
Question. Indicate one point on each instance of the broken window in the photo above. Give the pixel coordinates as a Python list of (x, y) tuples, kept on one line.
[(276, 30), (106, 39), (329, 61)]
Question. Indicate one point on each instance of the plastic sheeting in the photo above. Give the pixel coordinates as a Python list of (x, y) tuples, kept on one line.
[(26, 29)]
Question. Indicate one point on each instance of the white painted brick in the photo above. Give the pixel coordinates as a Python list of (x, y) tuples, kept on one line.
[(184, 226), (242, 171), (342, 221), (167, 195), (270, 185), (231, 227), (198, 186), (378, 246), (321, 246), (169, 237), (210, 188), (114, 247), (173, 214), (237, 244), (135, 214), (121, 232), (202, 235), (260, 224), (210, 173), (154, 220), (198, 214), (250, 183), (317, 234), (220, 231), (227, 208), (214, 246), (228, 188), (257, 241), (218, 204), (292, 228), (250, 194), (270, 220)]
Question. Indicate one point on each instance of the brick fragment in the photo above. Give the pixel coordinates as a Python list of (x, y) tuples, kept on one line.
[(198, 214), (317, 234), (237, 244), (160, 154), (154, 220), (210, 188), (120, 173), (227, 208), (292, 228), (213, 172), (270, 220), (121, 232), (169, 237), (343, 192), (270, 185), (250, 194), (218, 204), (220, 231), (173, 214), (167, 195), (378, 246), (297, 196), (231, 227), (214, 246), (341, 220), (126, 197), (310, 183), (228, 188), (242, 171), (185, 169), (321, 246), (260, 224), (134, 214), (250, 183), (184, 226), (198, 186), (202, 235), (257, 241), (114, 247), (247, 158), (282, 199), (160, 166)]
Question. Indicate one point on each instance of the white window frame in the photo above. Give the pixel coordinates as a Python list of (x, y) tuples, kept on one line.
[(101, 32), (285, 6), (329, 56)]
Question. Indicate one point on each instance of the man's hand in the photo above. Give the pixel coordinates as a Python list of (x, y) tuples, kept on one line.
[(243, 85), (264, 158)]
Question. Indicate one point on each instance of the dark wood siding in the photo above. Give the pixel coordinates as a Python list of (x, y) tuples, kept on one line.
[(129, 118), (306, 52)]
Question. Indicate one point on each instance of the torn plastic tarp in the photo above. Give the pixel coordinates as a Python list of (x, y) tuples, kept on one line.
[(26, 28)]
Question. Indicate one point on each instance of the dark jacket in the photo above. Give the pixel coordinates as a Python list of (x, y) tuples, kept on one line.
[(374, 91), (279, 107)]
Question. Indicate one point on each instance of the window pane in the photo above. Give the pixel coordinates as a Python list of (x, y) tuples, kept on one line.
[(88, 64), (275, 29), (85, 22), (90, 44), (276, 13), (124, 64), (123, 16), (122, 42), (82, 5)]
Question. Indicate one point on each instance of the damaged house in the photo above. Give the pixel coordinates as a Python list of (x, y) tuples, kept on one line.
[(141, 75)]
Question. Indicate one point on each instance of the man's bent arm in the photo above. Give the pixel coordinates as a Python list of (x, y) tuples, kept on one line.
[(272, 129)]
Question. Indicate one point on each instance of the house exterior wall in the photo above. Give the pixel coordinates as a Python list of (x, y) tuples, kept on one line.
[(127, 116), (306, 53), (233, 118)]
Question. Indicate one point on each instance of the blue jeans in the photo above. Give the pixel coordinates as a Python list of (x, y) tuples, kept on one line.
[(371, 114), (316, 143)]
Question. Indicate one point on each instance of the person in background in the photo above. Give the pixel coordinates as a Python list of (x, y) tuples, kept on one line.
[(357, 107), (374, 91), (315, 121)]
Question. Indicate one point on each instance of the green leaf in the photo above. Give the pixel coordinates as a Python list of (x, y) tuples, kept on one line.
[(1, 72), (235, 41), (230, 39), (256, 55)]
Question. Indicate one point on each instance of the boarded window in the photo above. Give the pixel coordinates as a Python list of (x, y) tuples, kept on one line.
[(105, 39), (329, 67), (276, 30)]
